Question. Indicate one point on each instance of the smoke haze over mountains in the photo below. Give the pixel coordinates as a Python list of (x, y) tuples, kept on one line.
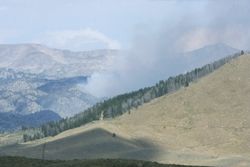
[(157, 53), (152, 34)]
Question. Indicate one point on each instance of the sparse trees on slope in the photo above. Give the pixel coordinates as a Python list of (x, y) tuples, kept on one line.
[(120, 104)]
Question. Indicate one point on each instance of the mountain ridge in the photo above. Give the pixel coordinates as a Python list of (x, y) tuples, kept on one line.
[(208, 54), (40, 59)]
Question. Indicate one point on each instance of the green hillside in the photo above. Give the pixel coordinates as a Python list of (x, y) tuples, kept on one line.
[(25, 162)]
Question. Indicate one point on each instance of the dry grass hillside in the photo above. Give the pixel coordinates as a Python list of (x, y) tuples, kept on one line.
[(207, 123)]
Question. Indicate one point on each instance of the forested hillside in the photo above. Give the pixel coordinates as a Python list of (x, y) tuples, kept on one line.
[(12, 121), (120, 104)]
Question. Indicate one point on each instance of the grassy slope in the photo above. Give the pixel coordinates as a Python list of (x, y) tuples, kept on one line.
[(205, 123)]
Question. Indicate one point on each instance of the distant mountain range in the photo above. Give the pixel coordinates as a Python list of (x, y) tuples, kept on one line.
[(208, 54), (24, 93), (196, 58), (39, 59), (34, 77)]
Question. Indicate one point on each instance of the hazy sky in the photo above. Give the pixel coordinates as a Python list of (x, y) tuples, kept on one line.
[(64, 23), (90, 24)]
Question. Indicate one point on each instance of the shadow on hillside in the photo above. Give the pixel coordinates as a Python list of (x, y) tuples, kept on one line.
[(93, 144)]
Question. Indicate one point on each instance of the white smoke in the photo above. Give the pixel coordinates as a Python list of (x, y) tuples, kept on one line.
[(154, 54)]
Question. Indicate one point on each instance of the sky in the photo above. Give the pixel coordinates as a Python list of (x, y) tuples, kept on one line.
[(96, 23), (147, 29), (90, 24)]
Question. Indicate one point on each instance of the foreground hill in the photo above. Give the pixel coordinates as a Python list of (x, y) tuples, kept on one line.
[(206, 123), (24, 162)]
